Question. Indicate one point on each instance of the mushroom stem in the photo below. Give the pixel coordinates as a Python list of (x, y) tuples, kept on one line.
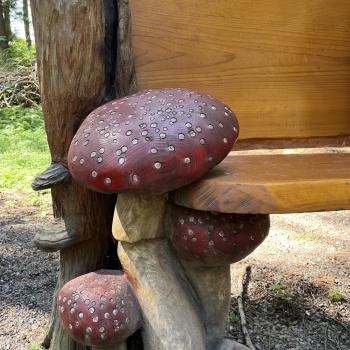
[(229, 344), (171, 320), (119, 346), (171, 317), (212, 285)]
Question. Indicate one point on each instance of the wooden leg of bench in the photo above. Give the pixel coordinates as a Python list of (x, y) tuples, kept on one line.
[(171, 320)]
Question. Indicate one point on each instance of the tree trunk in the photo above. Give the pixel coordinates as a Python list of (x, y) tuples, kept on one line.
[(7, 19), (4, 25), (26, 23), (76, 55)]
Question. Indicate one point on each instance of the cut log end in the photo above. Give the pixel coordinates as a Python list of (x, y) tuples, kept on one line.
[(53, 175)]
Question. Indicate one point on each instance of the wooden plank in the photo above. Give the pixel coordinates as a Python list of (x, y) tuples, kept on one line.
[(276, 183), (283, 66), (312, 142)]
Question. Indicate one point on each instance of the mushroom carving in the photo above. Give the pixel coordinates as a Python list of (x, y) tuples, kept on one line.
[(215, 239), (151, 142), (99, 309), (146, 145)]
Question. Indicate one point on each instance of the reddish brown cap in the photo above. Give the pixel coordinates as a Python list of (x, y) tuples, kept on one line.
[(215, 239), (99, 309), (152, 142)]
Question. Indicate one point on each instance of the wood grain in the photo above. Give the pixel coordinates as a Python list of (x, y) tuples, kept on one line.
[(272, 184), (283, 67), (310, 142)]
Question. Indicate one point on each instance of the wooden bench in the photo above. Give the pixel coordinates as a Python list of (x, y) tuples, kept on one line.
[(284, 69)]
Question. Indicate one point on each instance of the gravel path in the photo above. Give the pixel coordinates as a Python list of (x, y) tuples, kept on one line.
[(27, 280), (304, 258), (287, 304)]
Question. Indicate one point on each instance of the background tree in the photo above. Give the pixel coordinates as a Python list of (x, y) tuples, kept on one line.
[(26, 23), (5, 24)]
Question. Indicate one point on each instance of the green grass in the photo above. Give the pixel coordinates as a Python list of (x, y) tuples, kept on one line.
[(24, 152), (335, 296), (304, 236)]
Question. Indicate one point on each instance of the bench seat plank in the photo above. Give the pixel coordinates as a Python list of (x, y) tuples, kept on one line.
[(272, 183)]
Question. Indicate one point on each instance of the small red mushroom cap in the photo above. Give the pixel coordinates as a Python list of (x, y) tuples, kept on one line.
[(99, 309), (151, 142), (215, 239)]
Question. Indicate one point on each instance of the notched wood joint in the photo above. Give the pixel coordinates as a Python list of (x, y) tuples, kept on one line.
[(53, 175)]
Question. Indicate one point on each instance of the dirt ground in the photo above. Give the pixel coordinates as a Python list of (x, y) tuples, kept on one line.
[(298, 290)]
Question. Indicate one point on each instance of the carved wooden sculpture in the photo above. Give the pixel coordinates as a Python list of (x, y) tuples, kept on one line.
[(99, 309), (185, 135), (149, 144)]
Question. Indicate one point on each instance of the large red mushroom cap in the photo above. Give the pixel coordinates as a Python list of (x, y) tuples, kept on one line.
[(99, 309), (151, 142), (215, 239)]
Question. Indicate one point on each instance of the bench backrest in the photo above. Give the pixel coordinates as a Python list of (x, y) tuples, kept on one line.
[(283, 66)]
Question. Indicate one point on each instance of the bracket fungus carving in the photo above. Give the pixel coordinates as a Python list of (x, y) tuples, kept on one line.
[(152, 142), (215, 239), (99, 309)]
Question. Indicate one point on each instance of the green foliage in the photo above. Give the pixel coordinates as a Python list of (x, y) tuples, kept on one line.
[(23, 151), (18, 54), (277, 287), (18, 82), (232, 317), (21, 119), (335, 296), (34, 346), (280, 291)]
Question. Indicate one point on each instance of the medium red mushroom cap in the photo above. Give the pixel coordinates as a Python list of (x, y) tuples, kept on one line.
[(215, 239), (99, 309), (152, 142)]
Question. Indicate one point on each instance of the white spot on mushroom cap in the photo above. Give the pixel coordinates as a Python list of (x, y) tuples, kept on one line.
[(157, 165)]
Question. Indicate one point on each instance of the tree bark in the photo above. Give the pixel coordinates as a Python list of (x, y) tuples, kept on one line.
[(5, 28), (75, 67), (26, 23)]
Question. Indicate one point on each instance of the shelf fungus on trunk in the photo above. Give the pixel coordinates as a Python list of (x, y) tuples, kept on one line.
[(99, 309), (152, 142), (215, 239), (53, 175)]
